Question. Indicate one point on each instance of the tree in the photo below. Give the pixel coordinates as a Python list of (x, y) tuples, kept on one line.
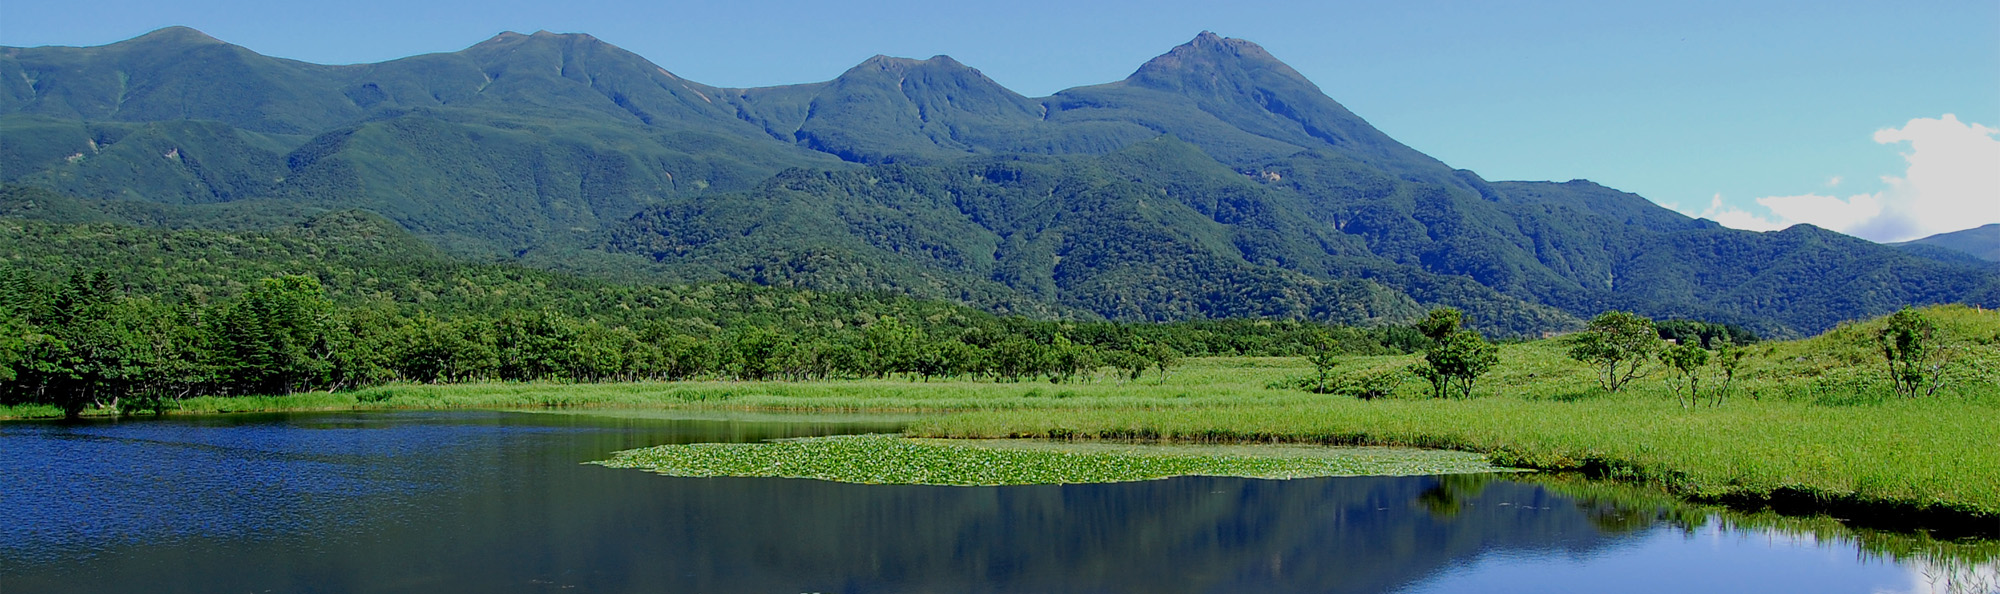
[(761, 353), (537, 345), (1621, 342), (946, 358), (1437, 326), (682, 356), (1323, 357), (1731, 359), (1015, 357), (13, 344), (1068, 360), (1909, 342), (1454, 363), (274, 339), (1708, 335), (1163, 357), (1440, 323), (1129, 364), (1684, 365), (891, 346)]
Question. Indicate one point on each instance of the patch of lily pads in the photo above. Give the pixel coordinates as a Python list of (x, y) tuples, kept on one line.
[(897, 460)]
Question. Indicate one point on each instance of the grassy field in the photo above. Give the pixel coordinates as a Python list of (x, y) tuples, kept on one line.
[(1809, 426)]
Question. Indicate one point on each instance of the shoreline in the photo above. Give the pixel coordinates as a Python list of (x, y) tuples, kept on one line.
[(1942, 519)]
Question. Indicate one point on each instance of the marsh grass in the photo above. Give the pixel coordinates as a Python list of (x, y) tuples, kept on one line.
[(1923, 454), (893, 459)]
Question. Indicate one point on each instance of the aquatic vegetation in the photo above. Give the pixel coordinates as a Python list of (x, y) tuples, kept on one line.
[(892, 459)]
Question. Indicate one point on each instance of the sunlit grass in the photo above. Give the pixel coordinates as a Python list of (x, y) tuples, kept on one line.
[(1927, 453)]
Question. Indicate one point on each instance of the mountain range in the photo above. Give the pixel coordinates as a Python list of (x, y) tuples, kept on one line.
[(1215, 181), (1981, 242)]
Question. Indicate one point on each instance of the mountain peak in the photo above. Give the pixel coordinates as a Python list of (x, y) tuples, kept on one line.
[(547, 34), (1208, 51), (175, 34), (885, 62), (514, 39)]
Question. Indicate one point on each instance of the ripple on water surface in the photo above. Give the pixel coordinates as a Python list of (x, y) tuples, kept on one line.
[(75, 489)]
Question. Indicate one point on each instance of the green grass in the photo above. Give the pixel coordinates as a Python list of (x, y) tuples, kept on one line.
[(892, 459), (1811, 425), (1922, 454)]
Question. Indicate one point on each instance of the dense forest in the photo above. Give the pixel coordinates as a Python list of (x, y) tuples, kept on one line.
[(105, 314), (101, 314)]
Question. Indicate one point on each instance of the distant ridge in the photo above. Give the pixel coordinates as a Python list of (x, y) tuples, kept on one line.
[(1981, 242)]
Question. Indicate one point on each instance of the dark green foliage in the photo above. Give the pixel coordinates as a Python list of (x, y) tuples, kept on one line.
[(1620, 342), (992, 231), (1916, 360), (108, 315), (1704, 334), (274, 339), (1440, 323), (1454, 363), (1366, 384), (1456, 356)]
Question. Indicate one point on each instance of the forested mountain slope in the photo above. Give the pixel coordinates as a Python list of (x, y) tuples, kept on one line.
[(1214, 181), (1979, 242)]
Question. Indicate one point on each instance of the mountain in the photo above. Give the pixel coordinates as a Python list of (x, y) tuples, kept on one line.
[(515, 143), (1215, 181), (1979, 242)]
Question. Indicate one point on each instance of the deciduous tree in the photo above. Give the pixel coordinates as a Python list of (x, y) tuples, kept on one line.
[(1620, 342)]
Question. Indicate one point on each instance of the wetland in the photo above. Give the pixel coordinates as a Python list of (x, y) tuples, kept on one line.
[(509, 501)]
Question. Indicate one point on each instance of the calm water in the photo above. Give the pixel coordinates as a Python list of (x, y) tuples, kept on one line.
[(499, 502)]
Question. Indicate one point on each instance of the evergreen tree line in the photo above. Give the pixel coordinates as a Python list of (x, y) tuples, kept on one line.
[(85, 341)]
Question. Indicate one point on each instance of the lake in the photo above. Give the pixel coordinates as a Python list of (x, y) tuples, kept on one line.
[(479, 501)]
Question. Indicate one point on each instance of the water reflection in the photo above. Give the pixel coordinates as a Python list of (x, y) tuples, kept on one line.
[(480, 501)]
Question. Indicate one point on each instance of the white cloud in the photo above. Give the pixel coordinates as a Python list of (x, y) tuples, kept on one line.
[(1736, 218), (1954, 177), (1952, 183), (1825, 211)]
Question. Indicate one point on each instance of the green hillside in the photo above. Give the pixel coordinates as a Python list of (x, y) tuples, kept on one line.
[(1215, 181), (1979, 242)]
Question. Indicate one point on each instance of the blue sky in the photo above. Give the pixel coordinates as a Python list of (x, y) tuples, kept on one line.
[(1744, 111)]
